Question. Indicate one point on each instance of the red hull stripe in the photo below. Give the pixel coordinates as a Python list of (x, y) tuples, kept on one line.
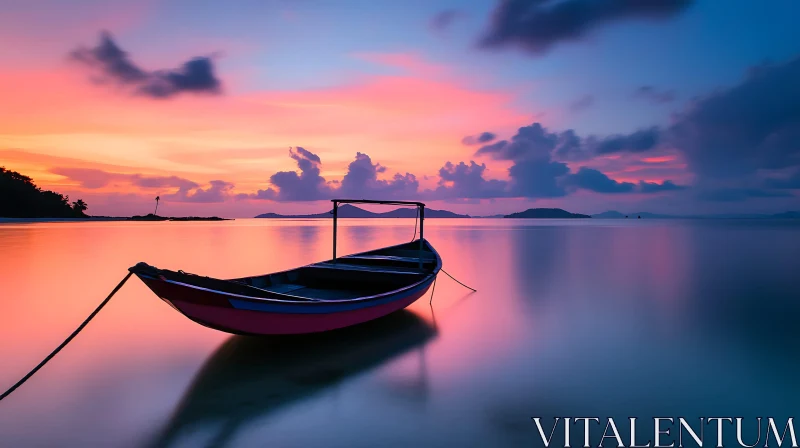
[(258, 322), (323, 307), (178, 291)]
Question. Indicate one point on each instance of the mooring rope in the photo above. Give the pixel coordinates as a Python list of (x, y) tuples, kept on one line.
[(433, 289), (473, 289), (66, 341), (100, 307)]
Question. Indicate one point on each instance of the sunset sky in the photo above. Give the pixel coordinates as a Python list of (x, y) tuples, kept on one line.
[(480, 107)]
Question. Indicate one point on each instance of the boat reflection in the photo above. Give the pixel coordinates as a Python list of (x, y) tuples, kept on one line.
[(248, 377)]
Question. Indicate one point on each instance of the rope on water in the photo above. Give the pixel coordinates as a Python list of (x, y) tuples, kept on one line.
[(473, 289), (433, 289), (66, 341)]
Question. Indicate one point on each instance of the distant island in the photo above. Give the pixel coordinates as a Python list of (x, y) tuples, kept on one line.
[(351, 211), (21, 200), (152, 217), (546, 213)]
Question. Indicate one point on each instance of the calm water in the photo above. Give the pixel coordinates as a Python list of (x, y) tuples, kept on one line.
[(573, 318)]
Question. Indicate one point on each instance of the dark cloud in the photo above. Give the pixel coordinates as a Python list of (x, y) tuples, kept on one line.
[(654, 95), (219, 191), (480, 139), (195, 75), (444, 19), (536, 26), (268, 194), (111, 59), (304, 155), (593, 180), (535, 141), (306, 186), (466, 181), (538, 178), (750, 127), (639, 141), (730, 140), (538, 170), (362, 181), (653, 187), (581, 103), (571, 147), (529, 142)]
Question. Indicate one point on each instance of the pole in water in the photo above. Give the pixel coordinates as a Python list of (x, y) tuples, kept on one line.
[(66, 341)]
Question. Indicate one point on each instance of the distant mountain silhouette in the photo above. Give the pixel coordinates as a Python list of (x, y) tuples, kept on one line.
[(545, 213), (351, 211)]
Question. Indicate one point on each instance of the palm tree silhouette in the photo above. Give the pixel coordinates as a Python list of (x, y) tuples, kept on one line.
[(157, 199), (80, 207)]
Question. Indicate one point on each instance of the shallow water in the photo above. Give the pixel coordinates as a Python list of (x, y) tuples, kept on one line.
[(571, 318)]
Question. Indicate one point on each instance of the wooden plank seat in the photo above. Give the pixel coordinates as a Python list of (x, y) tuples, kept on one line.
[(389, 258), (283, 288), (367, 268), (315, 293)]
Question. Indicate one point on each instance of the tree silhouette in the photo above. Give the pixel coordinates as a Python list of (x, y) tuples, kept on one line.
[(80, 207), (21, 198), (158, 198)]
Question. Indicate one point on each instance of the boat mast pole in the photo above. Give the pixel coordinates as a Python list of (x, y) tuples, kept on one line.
[(421, 221), (335, 213)]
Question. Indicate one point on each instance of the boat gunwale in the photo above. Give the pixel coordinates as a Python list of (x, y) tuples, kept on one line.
[(300, 300)]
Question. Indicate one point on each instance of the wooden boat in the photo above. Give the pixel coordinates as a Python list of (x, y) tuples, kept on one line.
[(322, 296)]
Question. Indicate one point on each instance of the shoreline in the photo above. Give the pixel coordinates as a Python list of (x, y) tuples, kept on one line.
[(4, 220)]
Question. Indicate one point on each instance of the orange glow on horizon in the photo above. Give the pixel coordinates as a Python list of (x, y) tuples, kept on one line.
[(243, 138)]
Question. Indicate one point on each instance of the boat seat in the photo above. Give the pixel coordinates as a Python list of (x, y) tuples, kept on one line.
[(413, 253), (283, 288), (366, 268), (389, 258)]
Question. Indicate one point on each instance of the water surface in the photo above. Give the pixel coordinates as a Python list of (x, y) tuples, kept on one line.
[(571, 318)]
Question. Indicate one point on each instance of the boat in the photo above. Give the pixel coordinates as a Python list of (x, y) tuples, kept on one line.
[(327, 295)]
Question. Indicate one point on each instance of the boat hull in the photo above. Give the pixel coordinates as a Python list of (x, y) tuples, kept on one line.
[(221, 312)]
